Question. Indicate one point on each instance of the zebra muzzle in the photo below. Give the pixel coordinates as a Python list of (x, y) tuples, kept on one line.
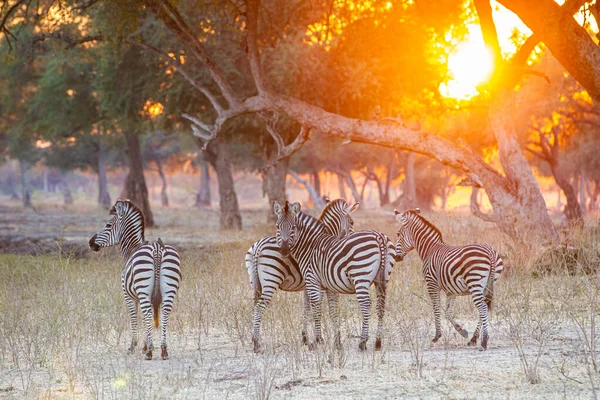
[(93, 244)]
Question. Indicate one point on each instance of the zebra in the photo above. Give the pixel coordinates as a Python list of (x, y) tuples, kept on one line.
[(338, 265), (151, 276), (455, 270), (269, 270)]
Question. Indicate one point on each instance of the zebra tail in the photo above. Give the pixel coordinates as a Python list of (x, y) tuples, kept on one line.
[(489, 288), (380, 277), (256, 286), (156, 297)]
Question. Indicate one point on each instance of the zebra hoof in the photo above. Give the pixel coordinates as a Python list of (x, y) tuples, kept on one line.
[(463, 332), (362, 346), (164, 354), (149, 355), (145, 348), (304, 338), (378, 344), (131, 348)]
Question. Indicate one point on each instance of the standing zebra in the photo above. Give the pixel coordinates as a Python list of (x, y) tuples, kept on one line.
[(151, 275), (269, 270), (456, 270), (336, 264)]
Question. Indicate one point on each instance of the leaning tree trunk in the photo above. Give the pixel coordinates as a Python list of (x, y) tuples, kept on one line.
[(314, 195), (218, 156), (25, 189), (203, 195), (164, 199), (135, 184), (274, 182), (519, 208), (103, 195)]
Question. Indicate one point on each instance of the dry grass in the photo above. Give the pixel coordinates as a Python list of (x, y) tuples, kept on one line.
[(64, 330)]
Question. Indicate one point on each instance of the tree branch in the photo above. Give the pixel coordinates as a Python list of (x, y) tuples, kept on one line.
[(251, 44), (283, 151), (179, 68), (71, 42)]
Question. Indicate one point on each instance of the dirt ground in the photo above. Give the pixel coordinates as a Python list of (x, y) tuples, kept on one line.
[(64, 325)]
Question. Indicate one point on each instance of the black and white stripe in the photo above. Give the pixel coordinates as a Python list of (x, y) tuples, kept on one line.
[(455, 270), (337, 265), (151, 276), (269, 270)]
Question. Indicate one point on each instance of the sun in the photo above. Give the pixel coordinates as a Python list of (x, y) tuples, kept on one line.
[(470, 64)]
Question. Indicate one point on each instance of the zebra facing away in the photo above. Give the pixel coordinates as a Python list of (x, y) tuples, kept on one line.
[(151, 275), (337, 265), (270, 271), (455, 270)]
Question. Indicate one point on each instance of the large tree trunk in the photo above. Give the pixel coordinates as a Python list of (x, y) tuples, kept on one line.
[(65, 189), (135, 183), (316, 182), (25, 189), (164, 199), (218, 156), (103, 194), (274, 180), (203, 195)]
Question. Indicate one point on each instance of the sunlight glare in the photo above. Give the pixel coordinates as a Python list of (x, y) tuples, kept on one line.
[(470, 64)]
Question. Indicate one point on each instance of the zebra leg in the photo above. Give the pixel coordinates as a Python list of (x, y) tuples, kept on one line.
[(259, 309), (132, 306), (306, 317), (434, 294), (381, 293), (333, 300), (166, 307), (450, 315), (475, 337), (148, 321), (315, 297), (362, 294), (479, 300)]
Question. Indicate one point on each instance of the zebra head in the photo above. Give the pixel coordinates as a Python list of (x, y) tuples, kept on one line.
[(404, 240), (126, 226), (336, 217), (286, 225)]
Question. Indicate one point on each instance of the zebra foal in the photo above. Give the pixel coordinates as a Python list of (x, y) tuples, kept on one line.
[(151, 276), (269, 270), (455, 270), (338, 265)]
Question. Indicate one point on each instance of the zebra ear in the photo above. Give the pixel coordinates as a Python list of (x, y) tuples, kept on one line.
[(396, 211), (112, 211), (327, 200), (353, 208), (277, 208), (418, 210), (295, 208)]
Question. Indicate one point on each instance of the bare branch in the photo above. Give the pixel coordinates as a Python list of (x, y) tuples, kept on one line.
[(283, 151), (253, 58), (71, 42), (179, 68), (473, 181), (167, 13)]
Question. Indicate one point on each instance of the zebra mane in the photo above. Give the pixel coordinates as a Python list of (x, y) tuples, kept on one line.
[(426, 223), (331, 205), (306, 220), (133, 209)]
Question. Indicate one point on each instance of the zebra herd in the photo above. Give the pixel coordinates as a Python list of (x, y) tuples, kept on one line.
[(319, 256)]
